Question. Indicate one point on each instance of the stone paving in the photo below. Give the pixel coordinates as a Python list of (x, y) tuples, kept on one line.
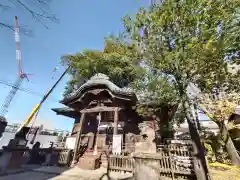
[(56, 173), (28, 176)]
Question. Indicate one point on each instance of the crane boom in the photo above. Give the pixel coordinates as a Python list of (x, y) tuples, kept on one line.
[(21, 74), (10, 96), (37, 106)]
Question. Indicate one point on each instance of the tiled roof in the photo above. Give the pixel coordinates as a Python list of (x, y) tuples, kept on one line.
[(65, 111), (99, 79)]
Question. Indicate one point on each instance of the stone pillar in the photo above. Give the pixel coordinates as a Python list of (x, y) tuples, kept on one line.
[(146, 166), (78, 139), (104, 160), (3, 125), (116, 117)]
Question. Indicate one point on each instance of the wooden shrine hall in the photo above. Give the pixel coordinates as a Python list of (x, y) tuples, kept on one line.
[(104, 119)]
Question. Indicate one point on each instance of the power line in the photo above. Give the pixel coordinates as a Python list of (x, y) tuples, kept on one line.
[(24, 89)]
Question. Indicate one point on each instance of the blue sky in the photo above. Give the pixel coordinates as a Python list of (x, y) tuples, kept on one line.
[(83, 25)]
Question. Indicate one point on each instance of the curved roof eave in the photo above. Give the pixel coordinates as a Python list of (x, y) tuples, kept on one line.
[(98, 82), (65, 111)]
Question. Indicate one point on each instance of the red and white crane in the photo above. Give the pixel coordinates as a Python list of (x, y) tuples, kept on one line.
[(21, 74)]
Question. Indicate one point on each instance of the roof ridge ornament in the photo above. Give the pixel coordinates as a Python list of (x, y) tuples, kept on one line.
[(100, 76)]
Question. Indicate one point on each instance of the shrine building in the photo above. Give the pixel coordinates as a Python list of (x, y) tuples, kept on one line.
[(105, 120)]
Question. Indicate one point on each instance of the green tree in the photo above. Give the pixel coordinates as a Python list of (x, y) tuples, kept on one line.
[(121, 61), (190, 41), (158, 100), (118, 60), (221, 109)]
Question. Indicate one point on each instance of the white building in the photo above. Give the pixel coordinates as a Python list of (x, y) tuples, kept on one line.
[(208, 125)]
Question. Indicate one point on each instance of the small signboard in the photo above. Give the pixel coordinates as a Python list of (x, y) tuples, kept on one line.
[(70, 142), (117, 144)]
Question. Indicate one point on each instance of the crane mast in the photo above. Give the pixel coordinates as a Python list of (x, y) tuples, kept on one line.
[(21, 74)]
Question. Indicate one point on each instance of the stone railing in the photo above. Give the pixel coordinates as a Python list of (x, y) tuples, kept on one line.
[(53, 156)]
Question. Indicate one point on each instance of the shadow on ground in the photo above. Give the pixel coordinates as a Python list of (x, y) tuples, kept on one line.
[(60, 173), (36, 173)]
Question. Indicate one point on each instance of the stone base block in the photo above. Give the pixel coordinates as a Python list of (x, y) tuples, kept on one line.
[(104, 161), (89, 162)]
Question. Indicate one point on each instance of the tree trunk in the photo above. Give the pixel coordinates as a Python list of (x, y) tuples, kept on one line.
[(231, 149), (157, 130), (200, 163)]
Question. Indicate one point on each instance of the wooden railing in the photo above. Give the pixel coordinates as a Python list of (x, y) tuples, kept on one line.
[(169, 163), (121, 163), (169, 159), (65, 157), (179, 155), (163, 165), (61, 156)]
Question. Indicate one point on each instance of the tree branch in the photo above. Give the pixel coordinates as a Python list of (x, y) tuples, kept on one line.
[(36, 15), (40, 16)]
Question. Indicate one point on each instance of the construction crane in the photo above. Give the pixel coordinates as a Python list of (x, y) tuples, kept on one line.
[(21, 74), (36, 108)]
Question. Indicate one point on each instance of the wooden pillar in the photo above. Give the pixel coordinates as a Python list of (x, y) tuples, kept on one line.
[(99, 118), (116, 117), (78, 139)]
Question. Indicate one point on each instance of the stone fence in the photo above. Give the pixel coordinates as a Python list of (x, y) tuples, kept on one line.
[(14, 158)]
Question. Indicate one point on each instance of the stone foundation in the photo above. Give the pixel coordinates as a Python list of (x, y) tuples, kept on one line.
[(89, 161)]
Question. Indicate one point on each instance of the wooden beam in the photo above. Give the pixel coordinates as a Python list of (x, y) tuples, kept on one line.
[(100, 109), (78, 139)]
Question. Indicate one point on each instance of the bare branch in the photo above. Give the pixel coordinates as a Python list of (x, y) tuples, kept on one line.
[(35, 14), (39, 15), (23, 29)]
